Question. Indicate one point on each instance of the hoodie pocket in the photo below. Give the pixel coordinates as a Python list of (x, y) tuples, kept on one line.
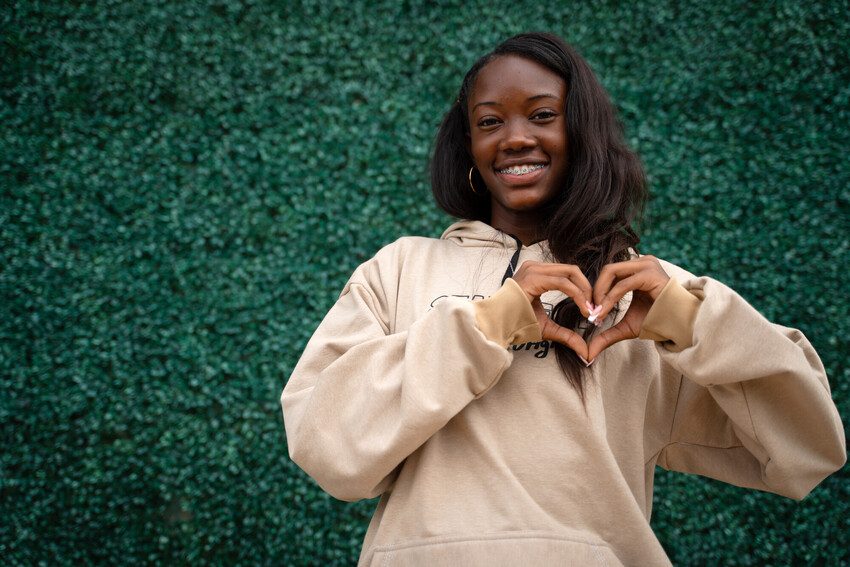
[(506, 549)]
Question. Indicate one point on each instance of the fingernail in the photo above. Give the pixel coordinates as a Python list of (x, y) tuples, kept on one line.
[(594, 314), (589, 305), (586, 363)]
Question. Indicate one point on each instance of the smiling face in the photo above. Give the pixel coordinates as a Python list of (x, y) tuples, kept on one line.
[(518, 136)]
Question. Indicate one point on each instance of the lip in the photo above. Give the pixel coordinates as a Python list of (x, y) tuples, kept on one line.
[(521, 180)]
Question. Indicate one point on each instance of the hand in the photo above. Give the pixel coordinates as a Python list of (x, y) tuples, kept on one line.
[(536, 278), (644, 277)]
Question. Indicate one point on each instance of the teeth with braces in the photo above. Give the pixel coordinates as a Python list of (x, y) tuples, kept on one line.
[(522, 169)]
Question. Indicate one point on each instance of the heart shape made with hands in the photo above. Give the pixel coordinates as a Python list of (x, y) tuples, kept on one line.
[(643, 276)]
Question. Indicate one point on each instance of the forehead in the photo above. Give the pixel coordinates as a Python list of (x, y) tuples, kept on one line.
[(511, 76)]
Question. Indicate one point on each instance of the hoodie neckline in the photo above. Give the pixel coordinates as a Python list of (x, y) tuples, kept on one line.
[(479, 234), (474, 233)]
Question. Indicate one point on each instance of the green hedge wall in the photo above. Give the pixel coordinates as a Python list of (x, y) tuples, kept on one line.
[(187, 185)]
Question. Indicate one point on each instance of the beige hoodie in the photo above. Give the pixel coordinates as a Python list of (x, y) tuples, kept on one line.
[(484, 455)]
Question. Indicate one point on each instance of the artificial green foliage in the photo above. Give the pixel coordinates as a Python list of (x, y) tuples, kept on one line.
[(187, 185)]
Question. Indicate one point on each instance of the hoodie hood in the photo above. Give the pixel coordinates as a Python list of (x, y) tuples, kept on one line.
[(477, 234), (473, 233)]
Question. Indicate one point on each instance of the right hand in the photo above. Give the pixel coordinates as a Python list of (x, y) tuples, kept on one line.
[(536, 278)]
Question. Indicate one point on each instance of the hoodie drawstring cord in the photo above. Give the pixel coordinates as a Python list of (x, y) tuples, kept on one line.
[(514, 259)]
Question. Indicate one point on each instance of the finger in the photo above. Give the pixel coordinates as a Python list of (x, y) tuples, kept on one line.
[(603, 340), (616, 293), (529, 273), (572, 273), (570, 339), (612, 272), (568, 288)]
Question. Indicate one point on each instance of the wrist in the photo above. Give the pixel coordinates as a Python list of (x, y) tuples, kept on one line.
[(671, 317), (506, 317)]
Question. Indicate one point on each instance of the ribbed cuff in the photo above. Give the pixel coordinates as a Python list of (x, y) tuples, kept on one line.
[(506, 317), (671, 318)]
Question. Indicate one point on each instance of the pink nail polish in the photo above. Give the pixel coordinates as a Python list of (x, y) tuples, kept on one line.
[(594, 315)]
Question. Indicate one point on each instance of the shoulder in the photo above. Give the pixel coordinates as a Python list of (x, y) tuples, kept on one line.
[(389, 261), (406, 246), (416, 243), (674, 271)]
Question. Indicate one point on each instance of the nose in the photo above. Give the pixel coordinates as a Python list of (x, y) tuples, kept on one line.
[(517, 136)]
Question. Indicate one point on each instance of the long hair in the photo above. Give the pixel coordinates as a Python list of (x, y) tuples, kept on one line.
[(589, 223)]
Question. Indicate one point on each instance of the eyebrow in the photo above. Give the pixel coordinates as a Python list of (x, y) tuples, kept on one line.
[(535, 97)]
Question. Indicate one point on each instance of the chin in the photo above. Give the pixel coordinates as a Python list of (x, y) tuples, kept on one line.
[(524, 206), (525, 201)]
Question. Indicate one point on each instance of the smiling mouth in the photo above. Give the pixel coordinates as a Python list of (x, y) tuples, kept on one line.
[(521, 169), (522, 175)]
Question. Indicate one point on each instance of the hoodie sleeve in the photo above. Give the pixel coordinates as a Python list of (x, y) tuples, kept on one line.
[(362, 397), (753, 405)]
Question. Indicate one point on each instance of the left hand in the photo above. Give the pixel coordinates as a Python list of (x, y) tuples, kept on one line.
[(644, 277)]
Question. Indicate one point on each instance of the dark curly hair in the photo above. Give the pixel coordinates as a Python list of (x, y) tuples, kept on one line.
[(590, 222)]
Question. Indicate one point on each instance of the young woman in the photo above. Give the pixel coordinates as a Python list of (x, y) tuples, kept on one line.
[(509, 388)]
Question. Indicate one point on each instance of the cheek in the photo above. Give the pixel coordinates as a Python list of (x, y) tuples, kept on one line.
[(481, 154), (558, 143), (558, 149)]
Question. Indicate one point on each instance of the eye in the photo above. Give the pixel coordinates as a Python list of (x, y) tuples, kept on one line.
[(487, 122), (543, 115)]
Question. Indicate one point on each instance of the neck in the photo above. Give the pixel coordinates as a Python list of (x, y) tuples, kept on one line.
[(524, 225)]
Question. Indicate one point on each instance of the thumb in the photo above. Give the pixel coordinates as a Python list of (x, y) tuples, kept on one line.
[(570, 339), (607, 338)]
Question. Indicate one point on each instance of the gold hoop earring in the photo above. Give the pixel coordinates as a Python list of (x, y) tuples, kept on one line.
[(471, 186)]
